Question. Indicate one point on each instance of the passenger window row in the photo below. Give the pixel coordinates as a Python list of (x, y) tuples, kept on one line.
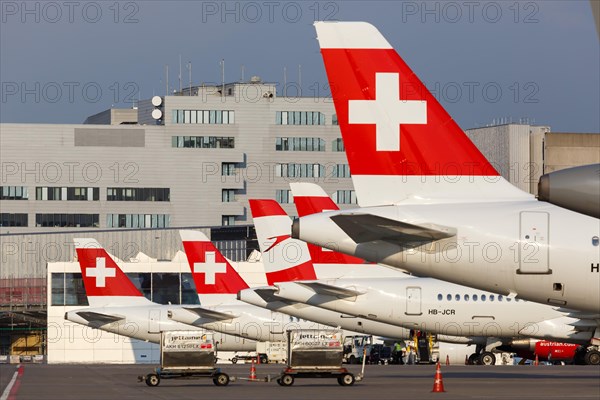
[(474, 297)]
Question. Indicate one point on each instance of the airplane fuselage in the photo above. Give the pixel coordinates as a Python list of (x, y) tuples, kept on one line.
[(535, 250), (443, 308)]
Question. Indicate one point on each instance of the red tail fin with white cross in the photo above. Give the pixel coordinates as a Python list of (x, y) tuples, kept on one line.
[(216, 280), (105, 283), (402, 146)]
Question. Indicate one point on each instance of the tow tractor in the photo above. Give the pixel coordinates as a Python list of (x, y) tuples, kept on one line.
[(186, 355), (316, 353)]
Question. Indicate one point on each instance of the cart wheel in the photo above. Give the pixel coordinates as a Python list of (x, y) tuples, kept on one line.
[(346, 380), (152, 380), (221, 379), (279, 382), (287, 380), (234, 360)]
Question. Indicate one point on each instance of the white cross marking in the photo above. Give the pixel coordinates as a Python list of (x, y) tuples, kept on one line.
[(210, 268), (387, 111), (100, 272)]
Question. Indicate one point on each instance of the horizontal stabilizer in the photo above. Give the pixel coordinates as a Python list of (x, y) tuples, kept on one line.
[(578, 314), (99, 318), (268, 295), (363, 228), (330, 290), (584, 323), (210, 314)]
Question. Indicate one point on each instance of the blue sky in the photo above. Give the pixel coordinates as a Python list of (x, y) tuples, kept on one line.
[(485, 60)]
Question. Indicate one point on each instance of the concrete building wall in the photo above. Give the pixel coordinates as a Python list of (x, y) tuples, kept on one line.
[(113, 116), (142, 156), (493, 142), (519, 156), (564, 150), (536, 156)]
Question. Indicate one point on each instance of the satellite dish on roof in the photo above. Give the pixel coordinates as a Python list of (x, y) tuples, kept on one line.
[(156, 101), (156, 113)]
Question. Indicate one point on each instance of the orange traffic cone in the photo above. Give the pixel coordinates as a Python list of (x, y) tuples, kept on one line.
[(537, 361), (252, 371), (447, 360), (438, 383)]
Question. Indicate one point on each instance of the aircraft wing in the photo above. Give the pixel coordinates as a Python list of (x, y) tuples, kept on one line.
[(99, 319), (330, 290), (363, 228), (210, 314)]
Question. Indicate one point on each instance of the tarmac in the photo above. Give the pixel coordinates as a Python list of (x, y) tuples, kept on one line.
[(80, 382)]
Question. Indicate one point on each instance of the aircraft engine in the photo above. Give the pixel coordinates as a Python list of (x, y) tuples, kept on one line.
[(576, 189)]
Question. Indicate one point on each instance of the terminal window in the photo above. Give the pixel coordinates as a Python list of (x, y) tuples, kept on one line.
[(67, 220), (228, 169), (344, 197), (227, 220), (299, 118), (138, 194), (284, 196), (138, 220), (299, 170), (67, 290), (67, 193), (299, 144), (203, 142), (228, 195), (338, 145), (14, 193), (341, 171), (8, 219), (203, 117)]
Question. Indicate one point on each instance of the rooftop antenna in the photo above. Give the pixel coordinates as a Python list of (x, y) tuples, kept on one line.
[(242, 68), (299, 79), (180, 73), (167, 79), (222, 62), (189, 67), (284, 81)]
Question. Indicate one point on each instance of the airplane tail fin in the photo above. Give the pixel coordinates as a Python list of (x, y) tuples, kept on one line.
[(285, 259), (105, 283), (216, 280), (310, 198), (401, 144)]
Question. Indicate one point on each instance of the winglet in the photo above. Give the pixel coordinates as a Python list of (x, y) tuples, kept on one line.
[(284, 258)]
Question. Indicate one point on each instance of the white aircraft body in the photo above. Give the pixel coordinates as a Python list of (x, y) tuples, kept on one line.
[(452, 311), (430, 203)]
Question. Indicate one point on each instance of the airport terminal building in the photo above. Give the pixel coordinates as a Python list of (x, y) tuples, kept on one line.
[(132, 178)]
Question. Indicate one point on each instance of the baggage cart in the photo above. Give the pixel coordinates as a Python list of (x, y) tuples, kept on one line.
[(316, 353), (186, 355)]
